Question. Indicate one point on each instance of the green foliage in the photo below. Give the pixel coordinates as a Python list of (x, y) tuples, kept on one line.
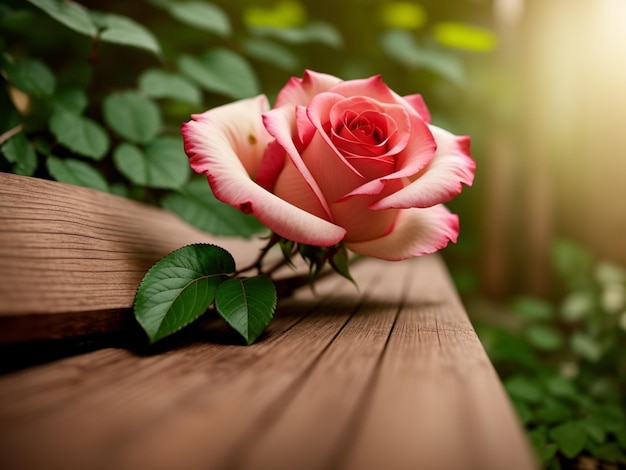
[(158, 83), (77, 172), (202, 15), (132, 116), (563, 363), (180, 287), (79, 134), (19, 151), (195, 204), (221, 71), (247, 305)]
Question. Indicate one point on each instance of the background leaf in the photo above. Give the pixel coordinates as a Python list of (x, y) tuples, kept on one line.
[(158, 83), (544, 338), (221, 71), (132, 116), (315, 32), (18, 150), (202, 15), (247, 305), (162, 164), (79, 134), (77, 172), (271, 53), (31, 76), (180, 287), (197, 205), (125, 31), (570, 437), (71, 14), (71, 99)]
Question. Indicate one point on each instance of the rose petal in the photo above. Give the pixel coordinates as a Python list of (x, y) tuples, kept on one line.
[(334, 177), (362, 223), (442, 180), (218, 145), (416, 156), (372, 87), (292, 187), (243, 129), (416, 232), (300, 91), (417, 103), (280, 123)]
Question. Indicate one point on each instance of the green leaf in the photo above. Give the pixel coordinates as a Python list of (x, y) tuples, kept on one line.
[(620, 436), (340, 263), (197, 205), (570, 437), (162, 164), (610, 417), (403, 15), (595, 430), (544, 338), (553, 412), (73, 100), (79, 134), (180, 287), (69, 13), (571, 261), (158, 83), (285, 14), (132, 116), (125, 31), (314, 32), (18, 151), (465, 36), (533, 308), (561, 387), (31, 76), (202, 15), (577, 305), (221, 71), (247, 305), (402, 47), (76, 172), (524, 389), (271, 53), (586, 346), (609, 452)]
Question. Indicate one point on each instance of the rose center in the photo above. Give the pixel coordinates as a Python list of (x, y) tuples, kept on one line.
[(363, 128)]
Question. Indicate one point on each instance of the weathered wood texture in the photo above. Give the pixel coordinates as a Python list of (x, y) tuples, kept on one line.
[(387, 376), (71, 258)]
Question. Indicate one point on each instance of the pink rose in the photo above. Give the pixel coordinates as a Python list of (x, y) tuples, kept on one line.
[(336, 161)]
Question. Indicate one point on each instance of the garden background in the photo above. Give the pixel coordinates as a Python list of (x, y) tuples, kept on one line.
[(94, 94)]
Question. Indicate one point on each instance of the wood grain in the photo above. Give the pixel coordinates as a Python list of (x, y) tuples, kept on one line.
[(389, 375), (71, 258)]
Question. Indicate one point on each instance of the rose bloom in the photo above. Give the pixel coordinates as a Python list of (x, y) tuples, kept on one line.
[(336, 161)]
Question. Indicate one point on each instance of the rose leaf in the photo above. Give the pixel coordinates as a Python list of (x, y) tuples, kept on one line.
[(132, 116), (79, 134), (247, 305), (76, 172), (180, 287)]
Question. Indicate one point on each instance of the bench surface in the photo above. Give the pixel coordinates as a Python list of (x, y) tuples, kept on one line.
[(389, 375)]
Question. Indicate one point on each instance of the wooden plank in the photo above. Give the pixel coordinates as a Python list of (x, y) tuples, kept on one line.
[(388, 376), (71, 258)]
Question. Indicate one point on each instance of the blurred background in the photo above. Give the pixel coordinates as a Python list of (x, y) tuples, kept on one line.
[(94, 93)]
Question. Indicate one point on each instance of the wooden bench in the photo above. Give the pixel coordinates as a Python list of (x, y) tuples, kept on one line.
[(387, 376)]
